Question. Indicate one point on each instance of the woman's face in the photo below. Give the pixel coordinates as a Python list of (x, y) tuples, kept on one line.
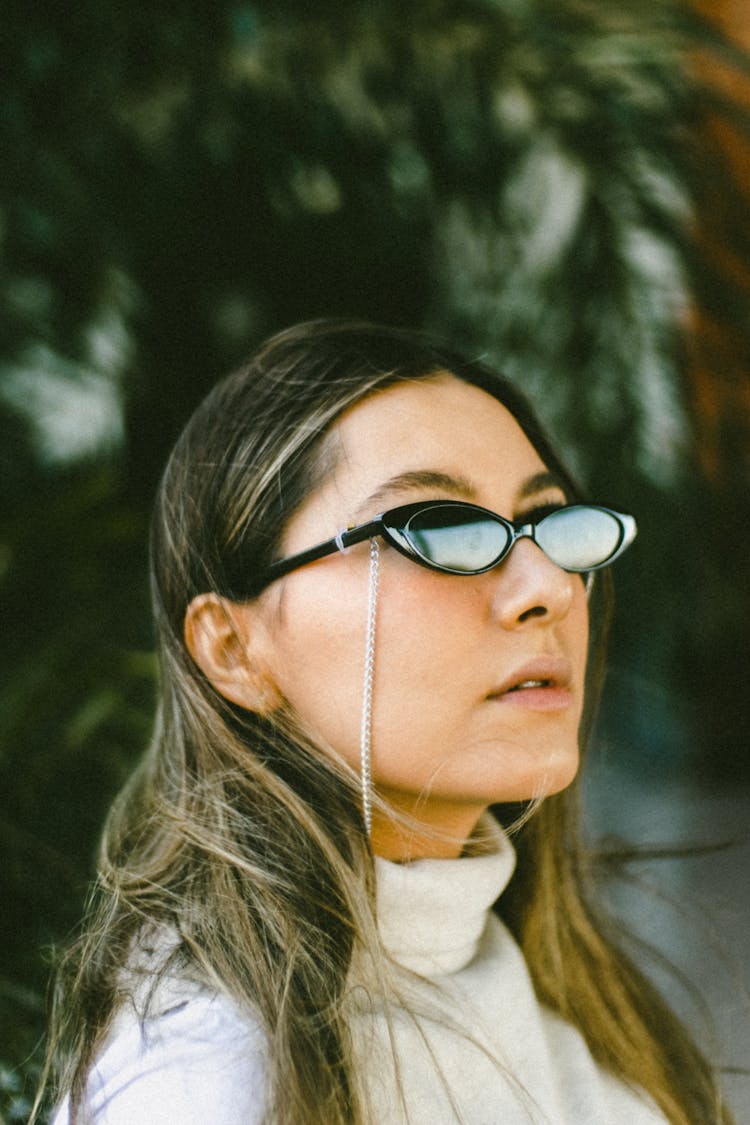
[(452, 732)]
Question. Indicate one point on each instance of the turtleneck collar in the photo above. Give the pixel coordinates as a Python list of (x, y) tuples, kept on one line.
[(432, 912)]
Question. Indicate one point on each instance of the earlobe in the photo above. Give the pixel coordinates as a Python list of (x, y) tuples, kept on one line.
[(221, 637)]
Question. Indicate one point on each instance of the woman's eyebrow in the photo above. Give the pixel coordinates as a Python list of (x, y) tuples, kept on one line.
[(457, 486), (421, 478), (540, 482)]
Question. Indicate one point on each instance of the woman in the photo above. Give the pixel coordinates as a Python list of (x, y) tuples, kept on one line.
[(381, 613)]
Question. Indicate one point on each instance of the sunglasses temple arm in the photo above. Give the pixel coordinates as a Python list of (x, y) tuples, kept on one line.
[(340, 542)]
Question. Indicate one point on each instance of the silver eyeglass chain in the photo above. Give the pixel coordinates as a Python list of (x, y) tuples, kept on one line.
[(365, 743)]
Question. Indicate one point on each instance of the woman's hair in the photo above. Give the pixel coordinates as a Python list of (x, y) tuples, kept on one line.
[(237, 852)]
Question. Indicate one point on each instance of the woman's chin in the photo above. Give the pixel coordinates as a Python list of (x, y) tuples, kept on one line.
[(557, 772)]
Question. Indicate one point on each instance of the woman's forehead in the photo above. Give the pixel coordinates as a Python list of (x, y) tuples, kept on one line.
[(435, 431)]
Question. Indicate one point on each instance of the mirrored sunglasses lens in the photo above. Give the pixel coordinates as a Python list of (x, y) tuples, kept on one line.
[(461, 540), (579, 538)]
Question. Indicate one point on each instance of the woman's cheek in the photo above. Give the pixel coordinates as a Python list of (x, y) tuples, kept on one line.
[(318, 659)]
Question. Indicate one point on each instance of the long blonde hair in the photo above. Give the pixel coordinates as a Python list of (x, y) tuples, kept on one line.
[(242, 839)]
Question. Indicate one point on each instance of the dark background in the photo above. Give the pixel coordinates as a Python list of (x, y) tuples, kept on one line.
[(561, 187)]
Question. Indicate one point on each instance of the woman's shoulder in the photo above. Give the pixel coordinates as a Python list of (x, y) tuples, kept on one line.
[(193, 1057)]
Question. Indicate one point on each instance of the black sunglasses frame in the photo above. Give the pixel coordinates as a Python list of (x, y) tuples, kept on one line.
[(385, 525)]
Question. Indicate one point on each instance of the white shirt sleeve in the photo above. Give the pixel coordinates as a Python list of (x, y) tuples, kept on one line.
[(199, 1062)]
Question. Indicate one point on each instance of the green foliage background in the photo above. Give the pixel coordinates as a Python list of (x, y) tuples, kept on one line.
[(180, 180)]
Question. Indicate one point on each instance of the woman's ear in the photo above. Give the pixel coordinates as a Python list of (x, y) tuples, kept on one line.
[(224, 640)]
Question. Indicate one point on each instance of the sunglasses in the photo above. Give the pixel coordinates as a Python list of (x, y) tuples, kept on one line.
[(454, 537)]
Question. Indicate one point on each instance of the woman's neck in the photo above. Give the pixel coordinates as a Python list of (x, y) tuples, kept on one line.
[(442, 832)]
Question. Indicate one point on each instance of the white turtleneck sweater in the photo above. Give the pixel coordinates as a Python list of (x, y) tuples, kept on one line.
[(472, 1043)]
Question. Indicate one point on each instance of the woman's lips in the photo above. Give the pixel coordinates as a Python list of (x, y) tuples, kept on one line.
[(542, 684), (546, 697)]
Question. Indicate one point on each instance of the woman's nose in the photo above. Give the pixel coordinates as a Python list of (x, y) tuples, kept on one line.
[(530, 587)]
